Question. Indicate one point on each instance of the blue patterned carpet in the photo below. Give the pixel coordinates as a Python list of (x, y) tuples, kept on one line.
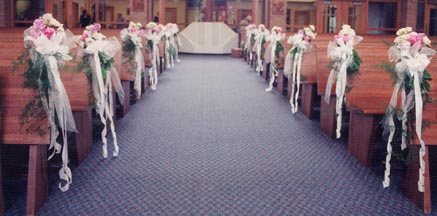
[(211, 141)]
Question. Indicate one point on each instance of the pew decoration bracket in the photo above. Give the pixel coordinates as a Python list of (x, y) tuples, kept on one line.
[(411, 55), (131, 45), (261, 37), (272, 54), (98, 53), (301, 43), (47, 50), (154, 34), (345, 64)]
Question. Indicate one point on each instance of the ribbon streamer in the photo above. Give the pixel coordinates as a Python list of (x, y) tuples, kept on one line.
[(342, 54), (258, 49), (292, 66), (57, 104), (138, 58), (102, 89), (415, 62)]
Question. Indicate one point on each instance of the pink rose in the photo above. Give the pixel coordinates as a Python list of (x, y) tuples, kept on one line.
[(300, 32), (419, 39), (338, 38), (49, 32), (345, 38), (96, 28), (40, 24), (84, 36), (132, 30), (35, 32), (413, 39), (141, 33), (306, 38)]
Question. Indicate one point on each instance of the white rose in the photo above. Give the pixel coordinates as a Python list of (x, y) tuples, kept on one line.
[(54, 22), (312, 28), (426, 41)]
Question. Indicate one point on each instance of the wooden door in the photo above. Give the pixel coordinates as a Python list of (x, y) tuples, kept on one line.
[(332, 15), (171, 15), (430, 20)]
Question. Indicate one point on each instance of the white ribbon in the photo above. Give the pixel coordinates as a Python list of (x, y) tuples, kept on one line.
[(57, 104), (178, 46), (153, 71), (258, 49), (102, 89), (293, 65), (415, 62), (273, 70), (342, 54), (138, 58)]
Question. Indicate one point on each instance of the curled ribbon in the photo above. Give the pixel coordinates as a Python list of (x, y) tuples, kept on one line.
[(342, 54), (415, 62), (57, 104)]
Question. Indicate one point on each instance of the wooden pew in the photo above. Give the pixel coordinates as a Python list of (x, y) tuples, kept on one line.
[(13, 103), (372, 45), (13, 99), (1, 189)]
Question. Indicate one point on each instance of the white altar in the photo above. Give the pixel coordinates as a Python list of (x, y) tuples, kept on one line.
[(208, 38)]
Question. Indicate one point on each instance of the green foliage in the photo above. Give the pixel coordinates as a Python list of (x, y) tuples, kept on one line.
[(279, 48), (128, 48), (407, 83), (35, 78), (293, 51), (150, 43), (354, 68)]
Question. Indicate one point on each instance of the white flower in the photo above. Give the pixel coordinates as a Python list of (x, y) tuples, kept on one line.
[(402, 38), (312, 28), (346, 30), (54, 22), (47, 17), (426, 41), (403, 31)]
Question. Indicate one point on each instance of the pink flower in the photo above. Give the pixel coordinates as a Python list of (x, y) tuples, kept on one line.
[(40, 24), (345, 38), (132, 30), (96, 28), (84, 36), (35, 32), (413, 39), (300, 32), (338, 38), (306, 38), (419, 39), (49, 32), (141, 33)]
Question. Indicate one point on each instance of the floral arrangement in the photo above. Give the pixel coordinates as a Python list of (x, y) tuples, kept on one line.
[(251, 31), (170, 44), (175, 40), (345, 63), (300, 44), (260, 39), (272, 53), (411, 55), (98, 61), (132, 38), (153, 35), (47, 49)]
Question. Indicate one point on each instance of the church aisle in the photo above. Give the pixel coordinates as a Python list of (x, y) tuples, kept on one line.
[(211, 141)]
